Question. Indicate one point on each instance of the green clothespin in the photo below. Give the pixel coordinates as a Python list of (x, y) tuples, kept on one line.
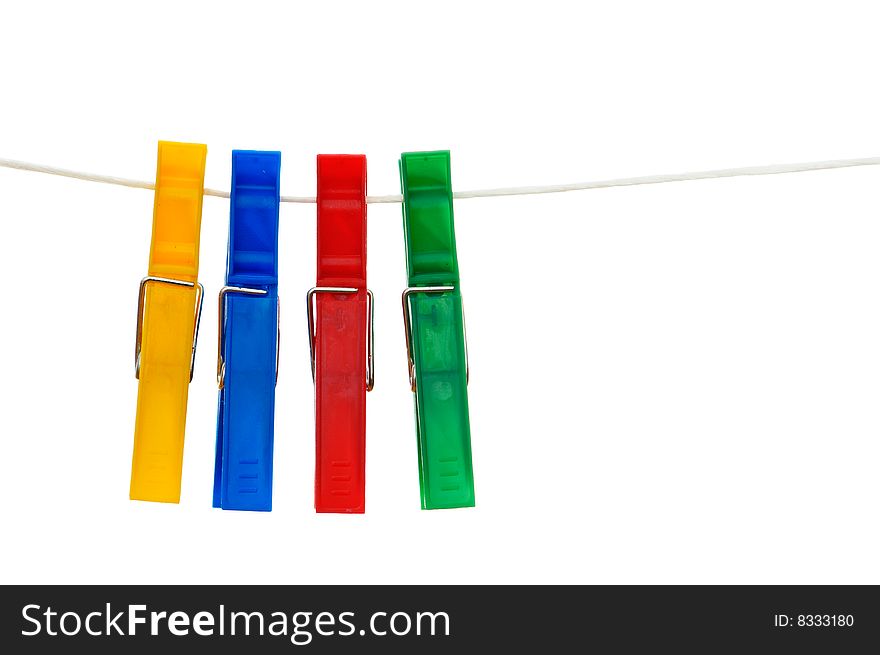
[(435, 336)]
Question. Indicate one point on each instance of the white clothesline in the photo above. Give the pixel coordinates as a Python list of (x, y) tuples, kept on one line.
[(772, 169)]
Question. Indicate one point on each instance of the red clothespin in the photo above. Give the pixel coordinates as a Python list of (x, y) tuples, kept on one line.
[(340, 313)]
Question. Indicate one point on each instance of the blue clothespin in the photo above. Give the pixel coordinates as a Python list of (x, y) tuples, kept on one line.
[(247, 347)]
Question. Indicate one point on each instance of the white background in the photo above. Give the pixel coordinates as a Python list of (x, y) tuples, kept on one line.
[(676, 383)]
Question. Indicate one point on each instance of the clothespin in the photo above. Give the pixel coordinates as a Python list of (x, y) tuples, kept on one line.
[(248, 336), (436, 343), (169, 309), (340, 321)]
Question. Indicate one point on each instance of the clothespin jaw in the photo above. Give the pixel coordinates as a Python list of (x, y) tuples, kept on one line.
[(435, 334), (248, 336), (169, 311), (340, 321)]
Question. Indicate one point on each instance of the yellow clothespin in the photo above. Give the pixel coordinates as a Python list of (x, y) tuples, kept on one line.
[(169, 308)]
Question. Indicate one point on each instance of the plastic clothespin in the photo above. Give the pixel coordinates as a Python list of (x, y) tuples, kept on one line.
[(248, 336), (169, 309), (435, 335), (340, 321)]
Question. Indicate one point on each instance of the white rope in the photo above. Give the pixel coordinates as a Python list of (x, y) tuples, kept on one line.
[(773, 169)]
